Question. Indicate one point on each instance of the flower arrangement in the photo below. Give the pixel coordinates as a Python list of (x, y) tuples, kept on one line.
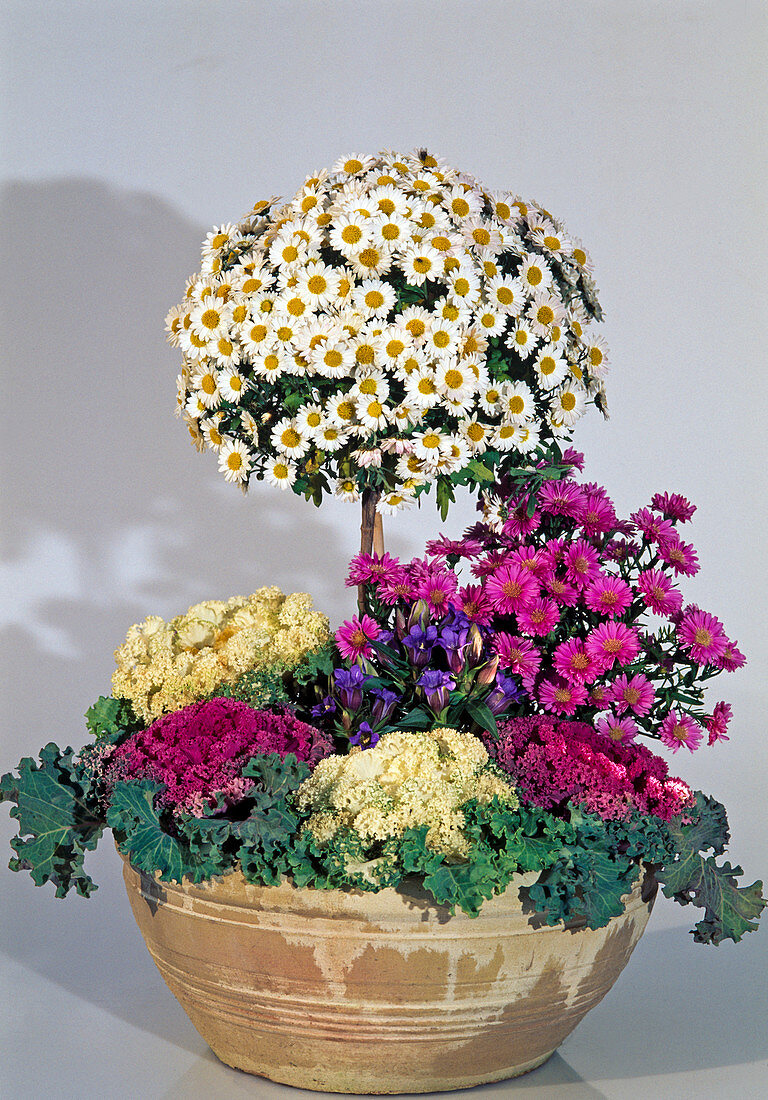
[(392, 327)]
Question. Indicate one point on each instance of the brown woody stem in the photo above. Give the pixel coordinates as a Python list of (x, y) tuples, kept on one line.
[(371, 536)]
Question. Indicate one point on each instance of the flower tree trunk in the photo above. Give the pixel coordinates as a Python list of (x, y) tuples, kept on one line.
[(371, 536)]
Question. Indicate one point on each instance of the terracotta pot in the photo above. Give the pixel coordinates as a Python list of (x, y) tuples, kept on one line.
[(376, 993)]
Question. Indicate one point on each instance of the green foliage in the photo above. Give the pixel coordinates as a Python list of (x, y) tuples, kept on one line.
[(111, 719), (139, 832), (59, 817), (691, 876)]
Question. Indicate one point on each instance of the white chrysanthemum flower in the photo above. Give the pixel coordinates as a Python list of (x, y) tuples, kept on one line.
[(505, 437), (280, 472), (464, 285), (332, 359), (544, 312), (489, 399), (420, 264), (462, 203), (373, 413), (455, 379), (550, 367), (234, 461), (568, 405), (481, 234), (206, 386), (349, 234), (319, 282), (527, 438), (410, 466), (390, 231), (429, 444), (421, 389), (210, 319), (535, 274), (506, 294), (270, 364), (371, 383), (309, 419), (522, 339), (341, 410), (209, 431), (194, 406), (330, 437), (491, 319), (443, 338), (372, 259), (256, 336), (354, 165), (395, 343), (231, 385), (287, 251), (374, 297), (489, 265), (347, 489), (219, 238), (287, 437), (597, 356), (517, 403), (476, 434), (417, 321), (389, 503), (407, 414)]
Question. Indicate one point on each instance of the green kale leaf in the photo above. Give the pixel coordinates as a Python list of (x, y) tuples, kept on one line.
[(60, 819)]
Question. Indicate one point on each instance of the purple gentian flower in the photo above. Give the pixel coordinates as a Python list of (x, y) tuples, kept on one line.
[(437, 687), (384, 703), (419, 644), (505, 692), (364, 736), (349, 684)]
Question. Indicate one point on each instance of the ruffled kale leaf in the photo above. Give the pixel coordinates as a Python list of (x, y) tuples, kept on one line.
[(59, 816), (111, 719), (694, 877), (140, 835)]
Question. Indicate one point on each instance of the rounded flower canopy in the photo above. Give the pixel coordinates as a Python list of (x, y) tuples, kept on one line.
[(393, 326)]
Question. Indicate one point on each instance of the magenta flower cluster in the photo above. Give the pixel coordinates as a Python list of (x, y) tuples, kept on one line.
[(554, 760), (199, 752), (582, 607)]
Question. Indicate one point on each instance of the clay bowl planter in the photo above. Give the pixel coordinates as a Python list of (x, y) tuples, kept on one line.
[(376, 993)]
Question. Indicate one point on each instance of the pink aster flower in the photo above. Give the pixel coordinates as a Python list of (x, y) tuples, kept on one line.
[(517, 654), (564, 593), (560, 697), (397, 585), (539, 617), (613, 643), (658, 592), (518, 523), (703, 636), (474, 603), (530, 558), (489, 563), (654, 528), (366, 568), (680, 729), (731, 658), (680, 555), (511, 589), (573, 663), (573, 458), (353, 636), (618, 729), (598, 516), (716, 723), (562, 498), (673, 506), (437, 590), (463, 548), (608, 595), (636, 694), (582, 563), (599, 696)]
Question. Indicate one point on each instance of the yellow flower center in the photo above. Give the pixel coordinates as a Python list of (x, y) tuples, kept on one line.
[(476, 432), (351, 234), (568, 401), (235, 461), (454, 379), (333, 359), (210, 319)]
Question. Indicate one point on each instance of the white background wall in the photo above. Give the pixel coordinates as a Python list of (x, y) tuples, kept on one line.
[(130, 128)]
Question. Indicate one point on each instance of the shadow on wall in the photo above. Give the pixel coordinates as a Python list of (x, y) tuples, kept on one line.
[(111, 514)]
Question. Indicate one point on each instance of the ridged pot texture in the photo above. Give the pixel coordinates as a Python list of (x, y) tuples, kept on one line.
[(345, 991)]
